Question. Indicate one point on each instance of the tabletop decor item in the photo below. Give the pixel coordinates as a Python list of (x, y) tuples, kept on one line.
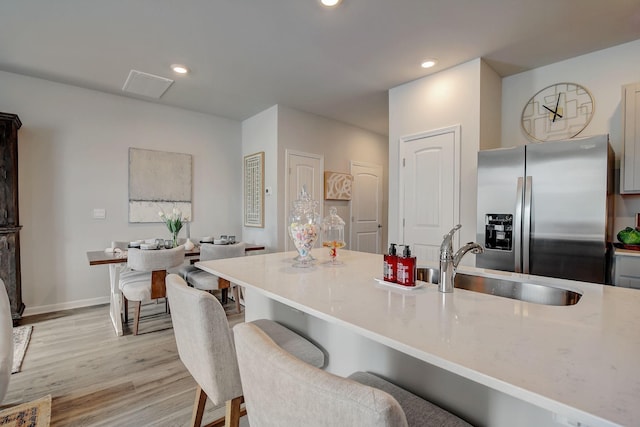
[(189, 245), (303, 228), (333, 234), (174, 223)]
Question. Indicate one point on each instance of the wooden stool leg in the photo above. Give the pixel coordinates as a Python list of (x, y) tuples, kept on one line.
[(233, 413), (198, 407), (224, 285), (236, 296), (136, 317), (125, 308)]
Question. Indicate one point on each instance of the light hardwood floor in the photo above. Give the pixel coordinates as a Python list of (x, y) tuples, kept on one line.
[(98, 379)]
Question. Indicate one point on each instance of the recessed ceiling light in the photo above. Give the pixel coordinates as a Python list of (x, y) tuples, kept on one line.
[(180, 69), (329, 3), (428, 63)]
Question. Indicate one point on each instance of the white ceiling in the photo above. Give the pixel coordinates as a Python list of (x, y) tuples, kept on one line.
[(247, 55)]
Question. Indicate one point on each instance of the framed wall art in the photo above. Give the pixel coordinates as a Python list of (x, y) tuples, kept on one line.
[(158, 180), (337, 186), (254, 190)]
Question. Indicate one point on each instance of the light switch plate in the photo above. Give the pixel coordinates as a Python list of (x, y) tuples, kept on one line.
[(99, 213)]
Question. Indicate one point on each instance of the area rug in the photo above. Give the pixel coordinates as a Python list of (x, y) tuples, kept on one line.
[(21, 336), (30, 414)]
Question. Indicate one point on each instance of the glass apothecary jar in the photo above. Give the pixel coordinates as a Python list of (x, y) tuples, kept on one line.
[(333, 234), (304, 228)]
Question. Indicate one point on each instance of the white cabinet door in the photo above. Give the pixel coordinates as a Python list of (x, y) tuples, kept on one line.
[(627, 271), (630, 163)]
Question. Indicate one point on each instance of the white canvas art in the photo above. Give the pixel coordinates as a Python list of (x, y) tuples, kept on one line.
[(158, 180)]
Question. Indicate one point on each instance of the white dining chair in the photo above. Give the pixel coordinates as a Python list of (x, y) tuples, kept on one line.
[(205, 345), (280, 390), (205, 281), (6, 340), (145, 278)]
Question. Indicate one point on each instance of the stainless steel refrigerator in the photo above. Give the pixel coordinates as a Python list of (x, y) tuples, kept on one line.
[(546, 209)]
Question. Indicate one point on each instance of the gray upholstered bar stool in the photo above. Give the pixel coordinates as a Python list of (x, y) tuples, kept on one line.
[(205, 345), (145, 278), (6, 340), (202, 280), (281, 390)]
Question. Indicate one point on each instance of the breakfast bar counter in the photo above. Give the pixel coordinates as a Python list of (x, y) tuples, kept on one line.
[(492, 360)]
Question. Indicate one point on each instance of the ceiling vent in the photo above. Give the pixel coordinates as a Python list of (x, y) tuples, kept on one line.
[(146, 84)]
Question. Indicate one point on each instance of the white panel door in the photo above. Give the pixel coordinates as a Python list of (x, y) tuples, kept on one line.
[(366, 207), (429, 185), (304, 170)]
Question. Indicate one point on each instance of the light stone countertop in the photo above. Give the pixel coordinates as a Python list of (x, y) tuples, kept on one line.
[(582, 361)]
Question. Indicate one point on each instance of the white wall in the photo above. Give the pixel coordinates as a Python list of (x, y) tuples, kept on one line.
[(278, 129), (339, 143), (73, 157), (448, 98), (604, 73), (260, 133)]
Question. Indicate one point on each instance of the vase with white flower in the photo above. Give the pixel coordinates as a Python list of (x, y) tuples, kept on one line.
[(174, 223)]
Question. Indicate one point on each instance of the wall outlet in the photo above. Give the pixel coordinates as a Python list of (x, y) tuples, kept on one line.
[(99, 213)]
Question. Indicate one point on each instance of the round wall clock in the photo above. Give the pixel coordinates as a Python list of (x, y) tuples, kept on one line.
[(559, 111)]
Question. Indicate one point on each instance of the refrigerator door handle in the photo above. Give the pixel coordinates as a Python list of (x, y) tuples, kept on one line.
[(526, 226), (517, 227)]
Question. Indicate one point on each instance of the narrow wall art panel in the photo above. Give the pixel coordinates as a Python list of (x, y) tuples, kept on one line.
[(337, 186), (158, 181), (254, 190)]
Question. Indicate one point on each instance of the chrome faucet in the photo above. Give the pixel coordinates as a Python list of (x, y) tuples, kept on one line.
[(449, 261)]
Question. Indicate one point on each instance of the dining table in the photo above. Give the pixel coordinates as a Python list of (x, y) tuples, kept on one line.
[(117, 262)]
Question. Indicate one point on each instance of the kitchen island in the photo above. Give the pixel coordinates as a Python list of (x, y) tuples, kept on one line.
[(491, 360)]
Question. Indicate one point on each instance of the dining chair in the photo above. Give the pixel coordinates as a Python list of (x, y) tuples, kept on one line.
[(144, 279), (281, 390), (205, 346), (6, 340), (205, 281)]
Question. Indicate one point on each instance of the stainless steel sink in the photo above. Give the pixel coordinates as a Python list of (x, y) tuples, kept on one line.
[(523, 291), (430, 275)]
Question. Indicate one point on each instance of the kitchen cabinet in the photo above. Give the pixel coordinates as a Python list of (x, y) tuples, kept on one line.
[(9, 219), (630, 160), (626, 268)]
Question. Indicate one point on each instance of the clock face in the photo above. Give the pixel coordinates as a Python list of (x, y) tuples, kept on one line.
[(559, 111)]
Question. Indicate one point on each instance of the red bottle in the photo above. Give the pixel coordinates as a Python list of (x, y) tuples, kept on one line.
[(390, 264), (406, 273)]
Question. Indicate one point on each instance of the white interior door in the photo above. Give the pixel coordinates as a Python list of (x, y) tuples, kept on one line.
[(429, 186), (304, 170), (366, 207)]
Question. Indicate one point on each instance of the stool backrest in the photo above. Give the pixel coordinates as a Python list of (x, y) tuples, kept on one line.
[(281, 390), (204, 340), (209, 251), (151, 260)]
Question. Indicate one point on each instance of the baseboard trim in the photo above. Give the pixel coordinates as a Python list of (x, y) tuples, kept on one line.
[(42, 309)]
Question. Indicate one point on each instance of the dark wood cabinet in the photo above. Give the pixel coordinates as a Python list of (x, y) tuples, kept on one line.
[(9, 218)]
